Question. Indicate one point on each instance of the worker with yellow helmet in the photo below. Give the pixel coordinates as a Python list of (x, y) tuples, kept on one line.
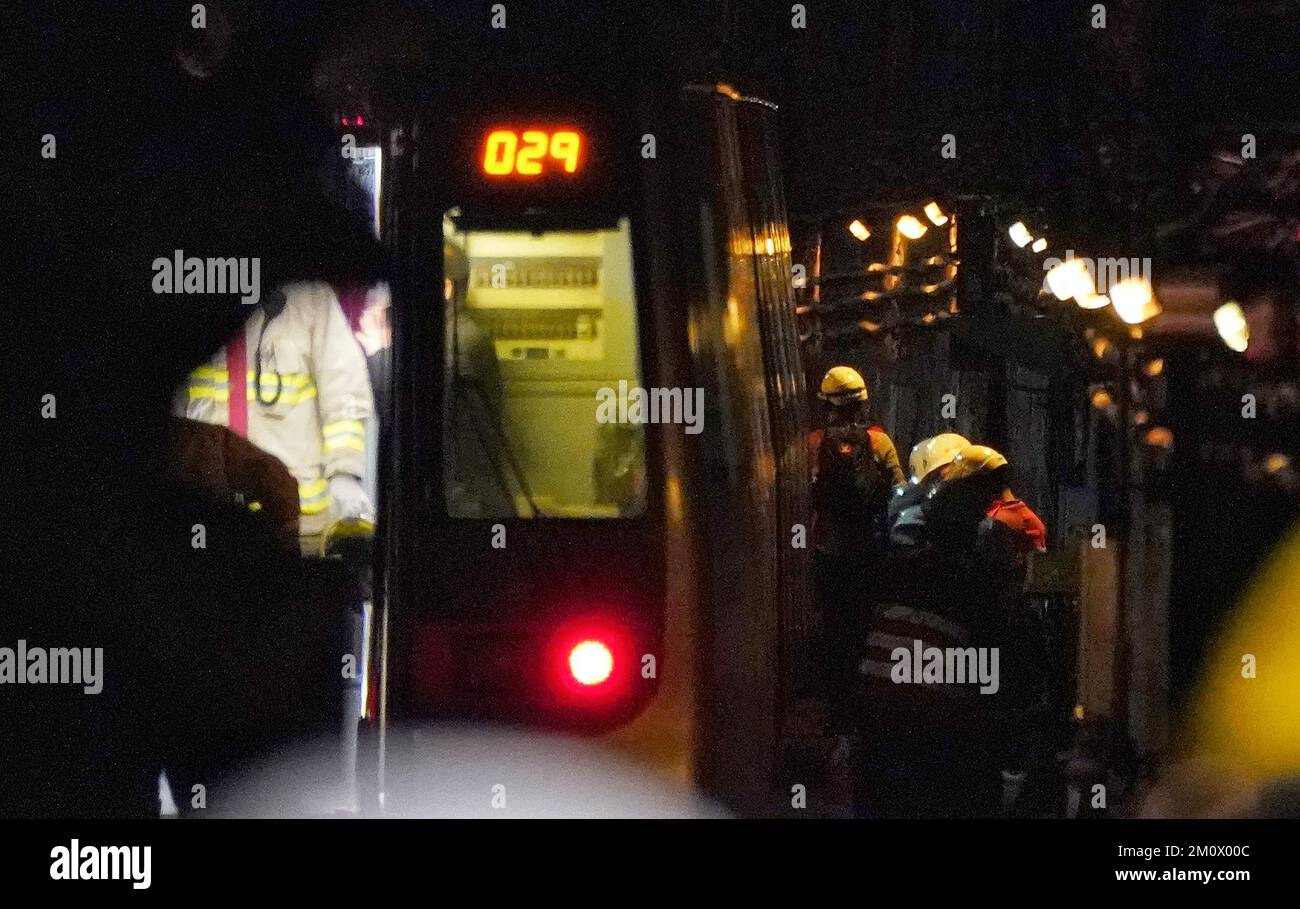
[(936, 750), (930, 462), (855, 467)]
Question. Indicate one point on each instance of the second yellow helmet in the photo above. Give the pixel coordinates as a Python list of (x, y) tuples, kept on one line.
[(975, 459), (843, 384)]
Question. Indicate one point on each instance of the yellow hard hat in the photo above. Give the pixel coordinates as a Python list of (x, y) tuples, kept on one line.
[(843, 384), (930, 454), (975, 459)]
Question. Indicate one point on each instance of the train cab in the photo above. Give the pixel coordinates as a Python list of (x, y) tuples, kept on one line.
[(592, 466)]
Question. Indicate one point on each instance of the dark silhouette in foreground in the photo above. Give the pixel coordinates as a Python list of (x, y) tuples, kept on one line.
[(165, 140)]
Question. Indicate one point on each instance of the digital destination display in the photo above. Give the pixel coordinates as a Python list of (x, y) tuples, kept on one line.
[(532, 152)]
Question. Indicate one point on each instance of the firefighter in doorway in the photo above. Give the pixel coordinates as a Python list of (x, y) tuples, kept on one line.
[(294, 383)]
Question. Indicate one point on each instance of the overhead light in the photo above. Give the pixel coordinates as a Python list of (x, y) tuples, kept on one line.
[(1039, 245), (911, 228), (935, 214), (1230, 322), (1159, 437), (1020, 234), (1100, 347), (1092, 301), (1275, 462), (1154, 367), (1070, 278), (1134, 300), (1101, 399), (859, 230)]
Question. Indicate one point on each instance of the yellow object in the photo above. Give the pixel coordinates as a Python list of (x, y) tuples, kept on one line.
[(341, 531), (975, 459), (937, 451), (843, 384), (1247, 710)]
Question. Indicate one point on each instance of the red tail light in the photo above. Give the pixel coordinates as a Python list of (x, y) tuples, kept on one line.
[(591, 662)]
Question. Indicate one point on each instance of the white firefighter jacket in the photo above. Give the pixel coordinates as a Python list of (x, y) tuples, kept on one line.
[(314, 392)]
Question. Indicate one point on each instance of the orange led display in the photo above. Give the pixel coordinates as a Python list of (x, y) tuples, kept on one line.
[(531, 152)]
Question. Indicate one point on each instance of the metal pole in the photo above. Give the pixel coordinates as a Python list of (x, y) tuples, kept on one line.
[(1120, 693)]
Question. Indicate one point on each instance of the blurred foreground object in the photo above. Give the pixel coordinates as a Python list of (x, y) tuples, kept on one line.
[(1244, 728), (467, 772)]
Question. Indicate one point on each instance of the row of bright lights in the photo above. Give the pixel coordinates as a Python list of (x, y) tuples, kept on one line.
[(909, 226), (1133, 298), (1021, 236)]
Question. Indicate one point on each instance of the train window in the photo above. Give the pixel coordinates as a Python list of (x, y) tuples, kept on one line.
[(541, 327)]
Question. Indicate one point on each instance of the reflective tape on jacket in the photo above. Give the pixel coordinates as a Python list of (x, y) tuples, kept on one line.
[(211, 383), (313, 496), (896, 627), (341, 434)]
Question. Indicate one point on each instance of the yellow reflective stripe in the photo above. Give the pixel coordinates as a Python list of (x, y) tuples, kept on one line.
[(211, 372), (222, 393), (353, 443), (216, 394), (305, 395), (344, 434), (313, 496), (334, 427)]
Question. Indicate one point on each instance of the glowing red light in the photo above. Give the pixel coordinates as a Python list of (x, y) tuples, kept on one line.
[(591, 663), (344, 121), (361, 121)]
